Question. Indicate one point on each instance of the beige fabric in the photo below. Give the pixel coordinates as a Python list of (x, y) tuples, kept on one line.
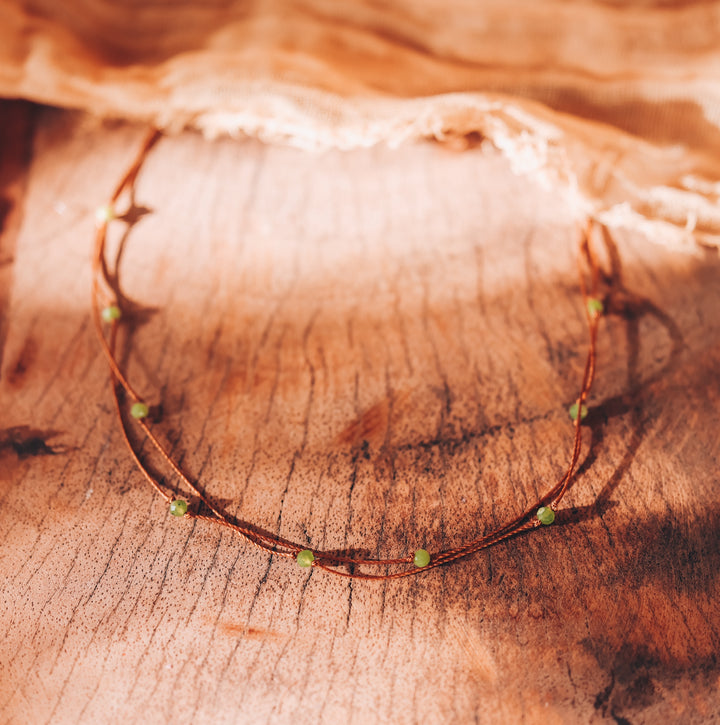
[(614, 104)]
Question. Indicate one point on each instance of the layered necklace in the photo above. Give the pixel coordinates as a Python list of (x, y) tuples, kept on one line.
[(133, 411)]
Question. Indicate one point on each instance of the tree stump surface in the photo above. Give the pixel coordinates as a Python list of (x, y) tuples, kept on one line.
[(371, 351)]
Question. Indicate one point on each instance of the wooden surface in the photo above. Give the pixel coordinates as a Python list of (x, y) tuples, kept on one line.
[(371, 350)]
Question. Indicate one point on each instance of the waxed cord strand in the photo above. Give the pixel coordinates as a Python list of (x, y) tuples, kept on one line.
[(104, 290)]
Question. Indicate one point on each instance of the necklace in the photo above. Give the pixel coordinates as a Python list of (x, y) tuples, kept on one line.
[(132, 410)]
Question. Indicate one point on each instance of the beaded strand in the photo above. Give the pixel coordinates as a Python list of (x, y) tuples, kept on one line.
[(107, 316)]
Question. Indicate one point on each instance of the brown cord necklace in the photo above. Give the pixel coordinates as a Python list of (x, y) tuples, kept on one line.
[(107, 318)]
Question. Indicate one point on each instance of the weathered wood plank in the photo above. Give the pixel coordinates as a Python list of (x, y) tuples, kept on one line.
[(366, 350)]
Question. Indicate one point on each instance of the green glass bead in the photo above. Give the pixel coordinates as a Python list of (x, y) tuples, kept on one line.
[(421, 559), (595, 306), (178, 507), (573, 411), (305, 557), (111, 313), (105, 214), (139, 410), (545, 515)]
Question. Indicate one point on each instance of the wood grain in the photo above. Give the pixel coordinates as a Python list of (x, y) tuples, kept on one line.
[(369, 350)]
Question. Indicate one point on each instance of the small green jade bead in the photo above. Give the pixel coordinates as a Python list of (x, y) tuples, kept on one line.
[(139, 410), (421, 559), (595, 306), (178, 507), (573, 411), (545, 515), (105, 214), (305, 557), (111, 313)]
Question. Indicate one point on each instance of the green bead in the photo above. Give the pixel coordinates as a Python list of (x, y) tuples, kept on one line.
[(595, 306), (105, 214), (111, 313), (573, 411), (545, 515), (178, 507), (139, 410), (305, 557), (421, 559)]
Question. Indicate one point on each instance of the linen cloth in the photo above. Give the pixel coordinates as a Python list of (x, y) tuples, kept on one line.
[(615, 105)]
